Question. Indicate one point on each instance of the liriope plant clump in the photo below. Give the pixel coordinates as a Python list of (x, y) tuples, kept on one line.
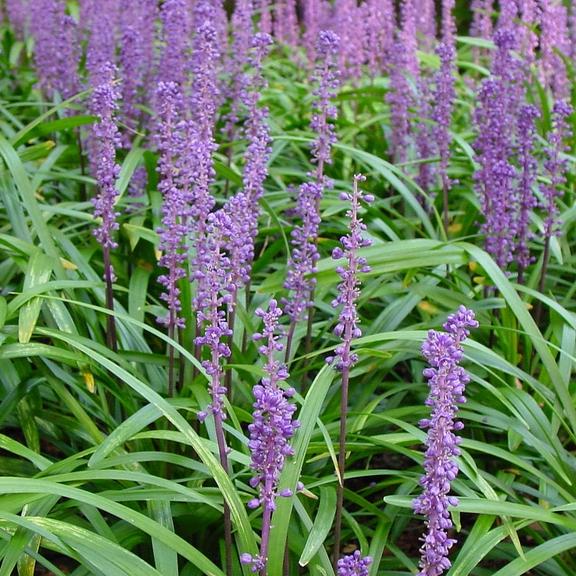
[(286, 287)]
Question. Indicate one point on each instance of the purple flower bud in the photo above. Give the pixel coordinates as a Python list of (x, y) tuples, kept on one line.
[(354, 565)]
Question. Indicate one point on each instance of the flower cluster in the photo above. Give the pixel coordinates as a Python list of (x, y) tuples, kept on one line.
[(271, 430), (210, 313), (442, 111), (447, 381), (528, 172), (176, 28), (498, 100), (56, 53), (324, 112), (300, 279), (354, 565), (106, 139), (174, 206), (555, 165), (348, 289)]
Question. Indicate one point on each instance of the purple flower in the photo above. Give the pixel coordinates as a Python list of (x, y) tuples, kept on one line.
[(443, 106), (302, 263), (555, 165), (354, 565), (264, 8), (243, 208), (399, 98), (105, 139), (272, 428), (554, 40), (238, 58), (448, 23), (173, 230), (200, 168), (408, 18), (349, 24), (324, 112), (18, 12), (349, 288), (136, 60), (447, 381), (379, 33), (285, 22), (56, 52), (312, 16), (529, 15), (528, 173), (482, 18), (210, 308), (425, 15), (176, 34), (100, 18), (300, 279), (508, 14), (498, 102)]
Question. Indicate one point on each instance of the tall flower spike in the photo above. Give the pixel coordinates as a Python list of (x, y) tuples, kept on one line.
[(447, 381), (300, 279), (553, 42), (243, 208), (348, 290), (482, 26), (18, 13), (347, 328), (101, 19), (136, 61), (442, 116), (498, 101), (556, 166), (216, 270), (105, 139), (528, 173), (173, 230), (271, 430), (324, 113), (176, 31), (200, 170), (56, 52), (398, 98), (354, 565)]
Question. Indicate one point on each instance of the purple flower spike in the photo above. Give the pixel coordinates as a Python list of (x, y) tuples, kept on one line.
[(18, 13), (176, 31), (482, 26), (554, 41), (302, 264), (498, 102), (556, 165), (354, 565), (56, 52), (173, 231), (271, 430), (210, 307), (243, 208), (324, 112), (443, 107), (447, 381), (106, 139), (348, 290), (528, 173), (101, 19), (300, 279)]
